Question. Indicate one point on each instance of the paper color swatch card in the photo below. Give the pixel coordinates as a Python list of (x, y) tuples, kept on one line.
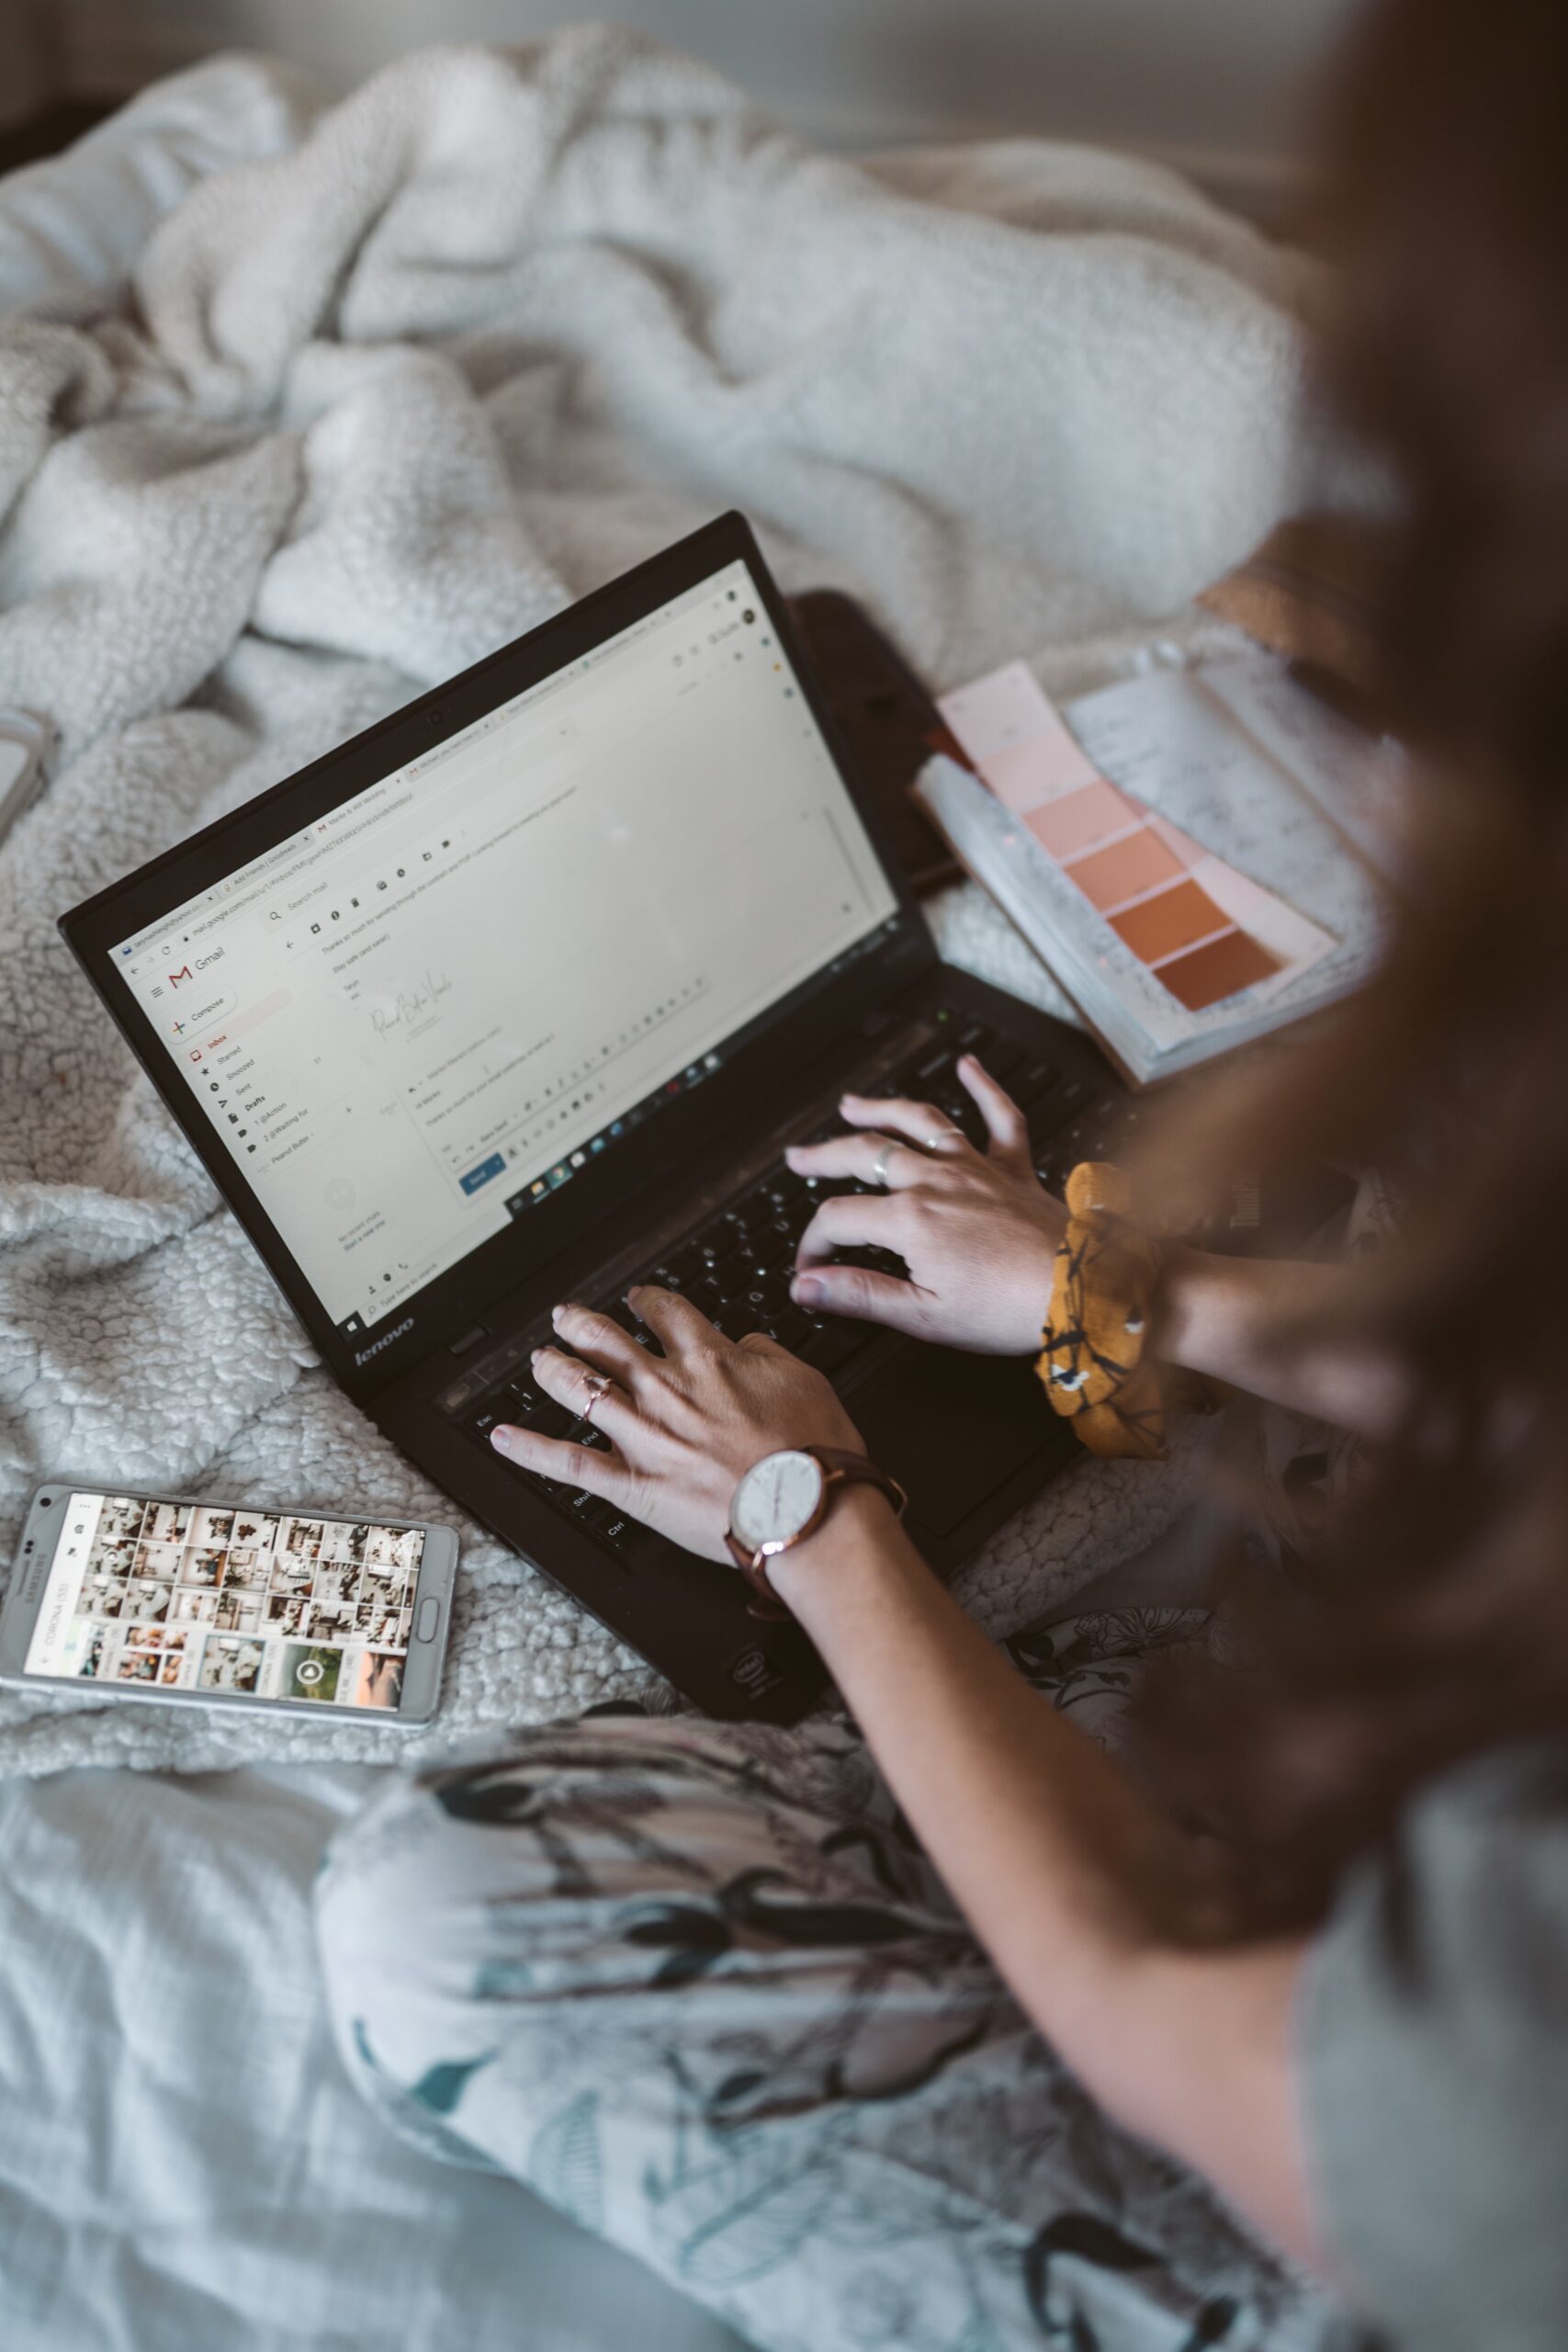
[(1172, 952)]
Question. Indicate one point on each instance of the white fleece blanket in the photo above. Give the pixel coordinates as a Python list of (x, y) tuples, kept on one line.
[(467, 345)]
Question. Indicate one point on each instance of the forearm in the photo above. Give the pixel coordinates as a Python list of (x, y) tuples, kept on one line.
[(1061, 1865), (1049, 1847), (1230, 1318)]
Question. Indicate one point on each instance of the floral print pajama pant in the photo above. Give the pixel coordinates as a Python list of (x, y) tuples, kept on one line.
[(697, 1986)]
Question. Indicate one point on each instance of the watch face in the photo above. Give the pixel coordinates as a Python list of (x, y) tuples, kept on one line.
[(776, 1499)]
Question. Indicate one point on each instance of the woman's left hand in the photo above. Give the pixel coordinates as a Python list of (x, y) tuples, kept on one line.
[(683, 1427), (978, 1231)]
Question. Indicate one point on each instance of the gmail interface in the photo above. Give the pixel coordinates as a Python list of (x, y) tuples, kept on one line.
[(421, 1015)]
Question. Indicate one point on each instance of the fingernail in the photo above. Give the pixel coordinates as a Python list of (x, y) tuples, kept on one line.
[(805, 1290), (502, 1439), (534, 1356)]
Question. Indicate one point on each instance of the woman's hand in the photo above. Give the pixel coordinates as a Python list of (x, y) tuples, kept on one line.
[(977, 1230), (683, 1427)]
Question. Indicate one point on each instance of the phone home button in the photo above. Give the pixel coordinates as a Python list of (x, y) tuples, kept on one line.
[(428, 1619)]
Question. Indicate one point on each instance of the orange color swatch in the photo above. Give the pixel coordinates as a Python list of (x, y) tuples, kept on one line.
[(1125, 870), (1170, 921)]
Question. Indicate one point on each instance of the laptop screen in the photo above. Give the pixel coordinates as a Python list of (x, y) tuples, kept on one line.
[(417, 1018)]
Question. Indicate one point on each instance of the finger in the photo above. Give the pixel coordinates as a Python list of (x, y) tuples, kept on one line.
[(760, 1343), (869, 1158), (555, 1457), (1004, 1123), (672, 1318), (857, 1220), (580, 1388), (603, 1343), (866, 1297), (921, 1124)]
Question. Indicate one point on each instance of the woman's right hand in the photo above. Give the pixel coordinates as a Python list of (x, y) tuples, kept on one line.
[(978, 1231)]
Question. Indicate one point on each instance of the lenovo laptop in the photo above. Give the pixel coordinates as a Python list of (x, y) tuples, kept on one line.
[(518, 997)]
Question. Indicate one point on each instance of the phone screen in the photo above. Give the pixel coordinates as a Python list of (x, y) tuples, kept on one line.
[(314, 1613)]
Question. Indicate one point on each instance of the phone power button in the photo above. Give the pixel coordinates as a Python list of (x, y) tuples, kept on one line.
[(428, 1619)]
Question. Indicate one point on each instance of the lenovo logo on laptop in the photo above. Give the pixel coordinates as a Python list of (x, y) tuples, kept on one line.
[(363, 1355)]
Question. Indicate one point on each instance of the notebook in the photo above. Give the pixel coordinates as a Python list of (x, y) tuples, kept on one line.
[(1178, 849)]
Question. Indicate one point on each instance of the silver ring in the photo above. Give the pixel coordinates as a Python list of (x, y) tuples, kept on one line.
[(599, 1387), (879, 1165)]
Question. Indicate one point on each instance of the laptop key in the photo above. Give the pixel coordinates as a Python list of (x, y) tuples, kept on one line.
[(965, 1115), (520, 1407), (625, 1537), (792, 1328), (1036, 1081), (832, 1344), (1061, 1101), (1001, 1058)]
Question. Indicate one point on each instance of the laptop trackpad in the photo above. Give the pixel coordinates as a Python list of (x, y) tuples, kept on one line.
[(951, 1427)]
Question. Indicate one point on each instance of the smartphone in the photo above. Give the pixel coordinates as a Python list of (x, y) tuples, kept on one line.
[(224, 1605)]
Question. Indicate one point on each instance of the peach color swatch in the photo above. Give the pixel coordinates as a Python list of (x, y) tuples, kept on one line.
[(1128, 868), (1079, 820), (1132, 867)]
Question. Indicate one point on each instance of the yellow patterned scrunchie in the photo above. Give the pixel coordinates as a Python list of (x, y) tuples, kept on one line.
[(1092, 1360)]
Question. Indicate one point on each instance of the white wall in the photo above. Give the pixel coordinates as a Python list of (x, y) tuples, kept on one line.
[(1217, 84)]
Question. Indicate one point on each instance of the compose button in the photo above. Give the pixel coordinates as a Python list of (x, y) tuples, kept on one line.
[(483, 1172)]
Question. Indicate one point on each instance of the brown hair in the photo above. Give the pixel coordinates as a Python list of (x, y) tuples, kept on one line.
[(1439, 1618)]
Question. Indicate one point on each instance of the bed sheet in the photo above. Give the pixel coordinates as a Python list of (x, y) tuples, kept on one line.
[(184, 2164)]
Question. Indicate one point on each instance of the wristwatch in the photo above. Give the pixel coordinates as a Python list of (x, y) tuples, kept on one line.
[(783, 1498)]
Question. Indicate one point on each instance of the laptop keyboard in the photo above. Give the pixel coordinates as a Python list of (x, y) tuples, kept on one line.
[(737, 1265)]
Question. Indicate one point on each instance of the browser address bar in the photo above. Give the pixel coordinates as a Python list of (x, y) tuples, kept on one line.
[(543, 742)]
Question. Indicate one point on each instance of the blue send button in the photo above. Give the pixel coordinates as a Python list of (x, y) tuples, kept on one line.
[(483, 1172)]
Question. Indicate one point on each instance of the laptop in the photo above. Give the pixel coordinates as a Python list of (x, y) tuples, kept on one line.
[(519, 996)]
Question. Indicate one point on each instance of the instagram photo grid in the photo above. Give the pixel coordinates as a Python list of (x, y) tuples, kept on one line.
[(194, 1598)]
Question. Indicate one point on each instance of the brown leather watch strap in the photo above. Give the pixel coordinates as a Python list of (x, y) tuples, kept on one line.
[(842, 1469)]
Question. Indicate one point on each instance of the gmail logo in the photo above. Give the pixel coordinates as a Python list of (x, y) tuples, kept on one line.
[(183, 974)]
